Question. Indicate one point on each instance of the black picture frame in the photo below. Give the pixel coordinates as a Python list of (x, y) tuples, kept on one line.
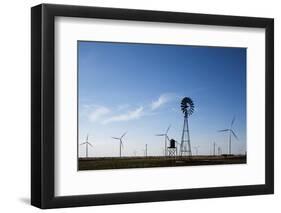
[(43, 102)]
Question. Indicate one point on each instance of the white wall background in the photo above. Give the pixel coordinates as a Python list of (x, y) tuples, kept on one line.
[(15, 105)]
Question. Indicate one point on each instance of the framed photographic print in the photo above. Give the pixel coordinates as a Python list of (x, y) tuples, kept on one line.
[(139, 106)]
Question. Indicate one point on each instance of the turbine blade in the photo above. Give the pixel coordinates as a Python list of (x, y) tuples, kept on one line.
[(160, 135), (116, 138), (232, 122), (168, 137), (234, 134), (82, 143), (223, 130), (123, 134), (90, 144), (168, 129)]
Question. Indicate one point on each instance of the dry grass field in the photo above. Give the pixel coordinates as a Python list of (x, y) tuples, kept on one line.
[(160, 161)]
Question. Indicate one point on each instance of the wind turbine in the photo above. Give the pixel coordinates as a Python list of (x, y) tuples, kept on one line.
[(145, 150), (166, 137), (86, 143), (219, 150), (214, 150), (121, 142), (230, 132), (196, 149)]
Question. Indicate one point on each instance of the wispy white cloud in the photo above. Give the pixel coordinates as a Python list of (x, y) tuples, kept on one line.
[(122, 112), (98, 113), (130, 115), (123, 107), (163, 99)]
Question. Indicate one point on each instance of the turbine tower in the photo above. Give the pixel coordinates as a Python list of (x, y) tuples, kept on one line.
[(177, 146), (214, 150), (219, 150), (187, 107), (86, 143), (165, 138), (145, 150), (230, 132), (121, 143), (196, 149)]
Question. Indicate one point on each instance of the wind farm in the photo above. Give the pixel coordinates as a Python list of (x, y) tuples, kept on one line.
[(175, 153)]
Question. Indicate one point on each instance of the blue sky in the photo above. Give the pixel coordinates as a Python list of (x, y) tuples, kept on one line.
[(138, 88)]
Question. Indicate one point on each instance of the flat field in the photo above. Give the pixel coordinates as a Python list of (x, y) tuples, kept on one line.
[(99, 163)]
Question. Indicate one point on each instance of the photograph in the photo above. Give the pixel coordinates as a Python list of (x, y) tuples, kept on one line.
[(144, 105)]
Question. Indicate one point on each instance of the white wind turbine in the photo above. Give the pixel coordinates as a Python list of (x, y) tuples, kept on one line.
[(165, 138), (196, 149), (86, 143), (231, 132), (121, 142)]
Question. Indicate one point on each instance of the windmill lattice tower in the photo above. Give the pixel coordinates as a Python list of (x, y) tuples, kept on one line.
[(187, 107)]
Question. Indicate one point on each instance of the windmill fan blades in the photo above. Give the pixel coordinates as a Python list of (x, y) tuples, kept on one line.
[(187, 106)]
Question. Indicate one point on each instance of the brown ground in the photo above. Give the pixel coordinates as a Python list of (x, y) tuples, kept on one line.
[(146, 162)]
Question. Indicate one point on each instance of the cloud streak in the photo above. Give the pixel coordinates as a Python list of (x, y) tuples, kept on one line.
[(130, 115), (162, 100), (105, 115), (98, 113)]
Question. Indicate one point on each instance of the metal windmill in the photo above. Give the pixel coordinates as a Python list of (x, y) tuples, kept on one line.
[(121, 143), (230, 132), (187, 107), (165, 138), (86, 143)]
